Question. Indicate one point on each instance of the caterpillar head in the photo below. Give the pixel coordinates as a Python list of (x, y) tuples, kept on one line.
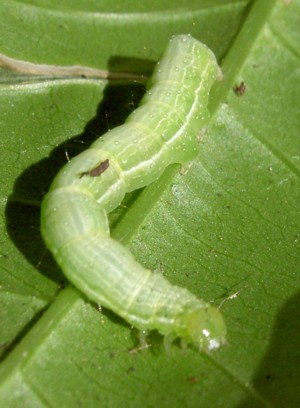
[(204, 328)]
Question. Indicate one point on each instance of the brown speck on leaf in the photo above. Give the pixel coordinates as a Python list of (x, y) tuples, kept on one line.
[(193, 380), (96, 171), (239, 89)]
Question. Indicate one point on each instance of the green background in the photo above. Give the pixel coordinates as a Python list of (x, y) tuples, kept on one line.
[(228, 229)]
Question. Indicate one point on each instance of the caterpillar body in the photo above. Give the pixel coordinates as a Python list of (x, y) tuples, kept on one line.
[(74, 223)]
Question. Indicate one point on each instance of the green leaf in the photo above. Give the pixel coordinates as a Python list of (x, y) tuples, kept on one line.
[(227, 229)]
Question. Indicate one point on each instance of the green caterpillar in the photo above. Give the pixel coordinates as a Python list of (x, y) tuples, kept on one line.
[(74, 223)]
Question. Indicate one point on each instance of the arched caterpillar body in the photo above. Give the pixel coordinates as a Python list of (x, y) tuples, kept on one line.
[(74, 219)]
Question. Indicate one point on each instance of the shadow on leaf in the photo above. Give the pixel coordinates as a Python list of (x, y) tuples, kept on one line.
[(278, 377), (22, 210)]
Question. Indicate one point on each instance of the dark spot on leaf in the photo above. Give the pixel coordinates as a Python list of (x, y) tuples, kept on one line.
[(239, 89), (193, 380)]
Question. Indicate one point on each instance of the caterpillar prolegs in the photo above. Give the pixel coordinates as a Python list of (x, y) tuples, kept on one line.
[(74, 223)]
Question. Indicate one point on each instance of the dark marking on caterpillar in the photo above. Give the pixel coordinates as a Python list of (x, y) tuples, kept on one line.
[(96, 171)]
